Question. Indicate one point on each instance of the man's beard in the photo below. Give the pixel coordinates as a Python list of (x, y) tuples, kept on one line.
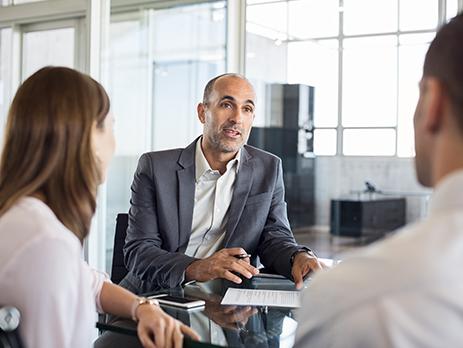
[(222, 146)]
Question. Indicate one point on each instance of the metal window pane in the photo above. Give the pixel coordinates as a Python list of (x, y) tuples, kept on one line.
[(325, 142), (128, 84), (410, 19), (412, 50), (370, 82), (369, 142), (268, 20), (370, 16), (199, 32), (47, 47), (315, 63), (313, 18)]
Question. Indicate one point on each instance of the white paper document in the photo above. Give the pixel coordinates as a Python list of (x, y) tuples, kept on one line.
[(252, 297)]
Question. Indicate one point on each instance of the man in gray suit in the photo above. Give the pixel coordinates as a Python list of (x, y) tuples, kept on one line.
[(207, 211)]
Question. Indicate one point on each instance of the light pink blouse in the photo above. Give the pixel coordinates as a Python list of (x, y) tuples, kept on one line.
[(43, 274)]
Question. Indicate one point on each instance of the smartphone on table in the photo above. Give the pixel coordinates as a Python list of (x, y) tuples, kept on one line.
[(177, 301)]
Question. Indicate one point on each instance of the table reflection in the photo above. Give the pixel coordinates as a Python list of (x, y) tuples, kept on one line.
[(218, 325)]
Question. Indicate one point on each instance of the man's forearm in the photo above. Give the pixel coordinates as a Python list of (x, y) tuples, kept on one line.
[(160, 267)]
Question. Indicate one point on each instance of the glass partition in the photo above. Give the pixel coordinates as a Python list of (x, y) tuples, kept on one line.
[(156, 78)]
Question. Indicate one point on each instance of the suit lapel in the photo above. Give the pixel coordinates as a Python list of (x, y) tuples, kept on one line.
[(241, 190), (186, 192)]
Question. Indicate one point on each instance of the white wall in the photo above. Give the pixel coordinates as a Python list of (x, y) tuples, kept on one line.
[(337, 176)]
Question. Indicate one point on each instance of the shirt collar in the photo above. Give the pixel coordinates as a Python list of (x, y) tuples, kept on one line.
[(448, 195), (202, 165)]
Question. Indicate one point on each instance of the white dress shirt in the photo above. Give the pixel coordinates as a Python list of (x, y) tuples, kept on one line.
[(406, 291), (213, 194), (43, 275)]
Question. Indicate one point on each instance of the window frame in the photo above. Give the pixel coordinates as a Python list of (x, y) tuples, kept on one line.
[(341, 37)]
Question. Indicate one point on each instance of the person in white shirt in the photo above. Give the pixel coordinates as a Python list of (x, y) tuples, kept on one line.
[(58, 142), (407, 291)]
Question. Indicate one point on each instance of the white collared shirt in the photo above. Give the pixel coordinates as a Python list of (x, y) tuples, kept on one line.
[(43, 275), (213, 194), (406, 291)]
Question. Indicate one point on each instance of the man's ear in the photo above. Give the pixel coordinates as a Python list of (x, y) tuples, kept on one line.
[(434, 103), (201, 109)]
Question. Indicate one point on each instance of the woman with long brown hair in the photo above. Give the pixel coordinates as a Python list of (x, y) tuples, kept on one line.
[(58, 143)]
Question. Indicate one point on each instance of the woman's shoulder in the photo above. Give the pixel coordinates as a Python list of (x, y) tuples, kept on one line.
[(31, 223), (33, 214)]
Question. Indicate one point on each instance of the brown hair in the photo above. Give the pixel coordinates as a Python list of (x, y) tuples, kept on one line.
[(48, 145), (444, 61)]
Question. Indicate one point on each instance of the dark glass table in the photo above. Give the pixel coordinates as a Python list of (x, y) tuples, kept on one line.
[(218, 325)]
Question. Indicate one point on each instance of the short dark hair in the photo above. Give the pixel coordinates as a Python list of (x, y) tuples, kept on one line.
[(444, 61), (210, 85)]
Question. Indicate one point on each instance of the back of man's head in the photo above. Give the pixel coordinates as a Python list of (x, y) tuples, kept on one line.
[(444, 61)]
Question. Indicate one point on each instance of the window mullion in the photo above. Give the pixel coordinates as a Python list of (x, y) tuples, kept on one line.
[(441, 12), (339, 144), (397, 81)]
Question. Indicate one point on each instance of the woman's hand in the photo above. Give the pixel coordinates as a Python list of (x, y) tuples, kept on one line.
[(156, 329)]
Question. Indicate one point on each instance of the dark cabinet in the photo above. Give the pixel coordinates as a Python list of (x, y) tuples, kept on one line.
[(289, 135)]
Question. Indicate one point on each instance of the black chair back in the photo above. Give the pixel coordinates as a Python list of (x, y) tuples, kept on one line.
[(9, 323), (118, 269)]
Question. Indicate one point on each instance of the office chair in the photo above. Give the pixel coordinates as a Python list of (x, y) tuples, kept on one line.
[(9, 322), (118, 269)]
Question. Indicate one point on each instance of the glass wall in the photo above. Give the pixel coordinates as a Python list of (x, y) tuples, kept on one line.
[(156, 78), (363, 57), (5, 74), (47, 47)]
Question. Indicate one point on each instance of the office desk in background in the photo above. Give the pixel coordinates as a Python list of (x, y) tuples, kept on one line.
[(218, 325)]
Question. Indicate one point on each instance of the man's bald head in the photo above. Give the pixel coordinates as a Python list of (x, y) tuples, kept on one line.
[(210, 85), (227, 113)]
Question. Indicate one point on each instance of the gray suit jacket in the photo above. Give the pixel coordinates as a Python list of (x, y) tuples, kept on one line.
[(161, 214)]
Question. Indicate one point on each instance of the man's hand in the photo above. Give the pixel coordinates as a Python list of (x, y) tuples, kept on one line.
[(221, 265), (229, 317), (302, 265)]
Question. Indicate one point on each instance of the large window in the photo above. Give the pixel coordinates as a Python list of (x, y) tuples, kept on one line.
[(364, 58), (32, 46), (43, 46)]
